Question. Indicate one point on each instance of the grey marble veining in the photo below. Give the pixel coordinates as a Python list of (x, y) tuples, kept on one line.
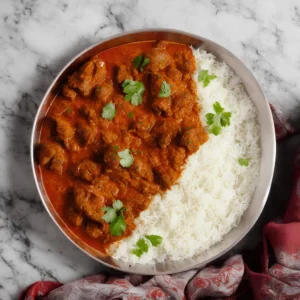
[(38, 37)]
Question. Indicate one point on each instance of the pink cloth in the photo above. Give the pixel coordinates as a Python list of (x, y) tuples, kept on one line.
[(280, 281)]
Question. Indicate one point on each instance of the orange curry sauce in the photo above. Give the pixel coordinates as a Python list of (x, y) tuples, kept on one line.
[(78, 149)]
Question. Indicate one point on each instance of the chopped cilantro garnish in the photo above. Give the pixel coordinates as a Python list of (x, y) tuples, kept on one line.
[(205, 77), (126, 158), (130, 115), (114, 216), (109, 111), (154, 239), (118, 226), (134, 91), (218, 120), (139, 62), (244, 162), (141, 247), (165, 90)]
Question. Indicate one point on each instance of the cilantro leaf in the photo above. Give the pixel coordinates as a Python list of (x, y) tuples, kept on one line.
[(126, 158), (145, 62), (141, 247), (218, 120), (205, 77), (155, 240), (165, 90), (244, 162), (137, 61), (140, 62), (134, 91), (118, 226), (117, 204), (109, 111), (110, 214), (130, 115)]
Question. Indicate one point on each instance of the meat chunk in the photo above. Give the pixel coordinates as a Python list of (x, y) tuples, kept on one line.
[(87, 170), (87, 132), (111, 157), (141, 168), (167, 176), (99, 72), (52, 155), (185, 61), (90, 74), (173, 73), (193, 138), (65, 131), (166, 130), (91, 115), (88, 202), (182, 105), (74, 216), (159, 59), (162, 106), (104, 186), (123, 73), (109, 136), (94, 230), (68, 92), (104, 91), (61, 107), (143, 125), (176, 157), (148, 188)]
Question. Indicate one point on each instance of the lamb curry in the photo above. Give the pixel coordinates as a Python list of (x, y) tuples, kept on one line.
[(119, 132)]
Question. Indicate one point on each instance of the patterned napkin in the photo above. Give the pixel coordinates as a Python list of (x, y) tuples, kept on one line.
[(233, 280)]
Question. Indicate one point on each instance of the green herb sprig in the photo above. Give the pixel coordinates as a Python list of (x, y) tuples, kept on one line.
[(140, 62), (109, 111), (165, 90), (244, 162), (218, 120), (142, 246), (134, 91), (126, 158), (205, 77), (114, 216)]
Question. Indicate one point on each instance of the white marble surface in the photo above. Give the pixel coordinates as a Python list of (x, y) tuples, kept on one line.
[(38, 37)]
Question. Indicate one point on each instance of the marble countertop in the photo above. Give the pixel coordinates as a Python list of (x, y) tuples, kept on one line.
[(38, 37)]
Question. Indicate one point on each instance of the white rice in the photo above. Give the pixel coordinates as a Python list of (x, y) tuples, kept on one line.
[(214, 190)]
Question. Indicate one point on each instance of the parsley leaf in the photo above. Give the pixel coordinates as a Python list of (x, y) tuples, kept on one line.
[(114, 216), (218, 120), (109, 111), (141, 247), (244, 162), (205, 77), (139, 62), (118, 226), (165, 90), (126, 158), (155, 240), (134, 91)]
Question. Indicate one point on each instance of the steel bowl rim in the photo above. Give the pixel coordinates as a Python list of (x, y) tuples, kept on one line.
[(273, 149)]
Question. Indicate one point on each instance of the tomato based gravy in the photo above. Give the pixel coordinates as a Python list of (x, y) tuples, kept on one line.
[(121, 128)]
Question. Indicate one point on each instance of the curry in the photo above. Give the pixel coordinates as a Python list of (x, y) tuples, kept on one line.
[(121, 128)]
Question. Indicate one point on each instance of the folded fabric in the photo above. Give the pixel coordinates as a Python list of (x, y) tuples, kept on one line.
[(280, 281)]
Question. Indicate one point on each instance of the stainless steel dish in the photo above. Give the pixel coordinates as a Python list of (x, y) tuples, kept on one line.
[(268, 146)]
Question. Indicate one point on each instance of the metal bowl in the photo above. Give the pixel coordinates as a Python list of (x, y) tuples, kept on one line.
[(268, 146)]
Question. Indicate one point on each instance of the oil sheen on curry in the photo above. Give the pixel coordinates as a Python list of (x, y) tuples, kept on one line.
[(119, 132)]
